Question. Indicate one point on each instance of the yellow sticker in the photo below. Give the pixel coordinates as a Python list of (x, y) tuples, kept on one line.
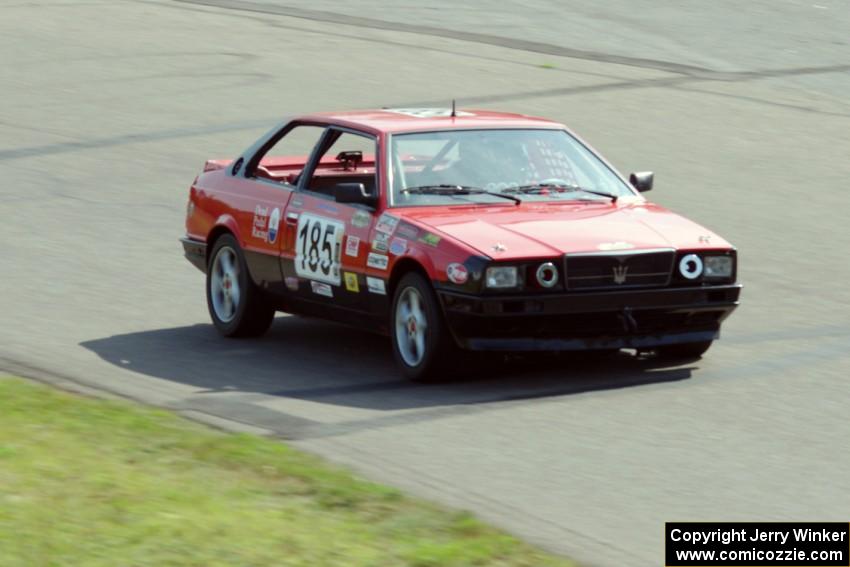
[(351, 282)]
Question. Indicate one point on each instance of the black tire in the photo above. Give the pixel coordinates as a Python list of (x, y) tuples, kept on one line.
[(685, 351), (440, 350), (250, 315)]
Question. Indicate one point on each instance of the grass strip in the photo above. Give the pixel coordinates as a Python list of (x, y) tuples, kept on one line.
[(94, 483)]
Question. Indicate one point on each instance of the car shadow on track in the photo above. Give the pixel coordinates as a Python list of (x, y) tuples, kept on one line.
[(323, 362)]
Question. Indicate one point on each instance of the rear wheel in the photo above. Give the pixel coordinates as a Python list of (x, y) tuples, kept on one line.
[(237, 307), (685, 351), (422, 345)]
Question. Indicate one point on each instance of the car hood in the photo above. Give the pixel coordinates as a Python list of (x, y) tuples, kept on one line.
[(540, 230)]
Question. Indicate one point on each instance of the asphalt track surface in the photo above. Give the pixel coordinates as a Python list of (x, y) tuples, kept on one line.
[(108, 109)]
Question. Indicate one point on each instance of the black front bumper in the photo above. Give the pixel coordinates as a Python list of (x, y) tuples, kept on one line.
[(589, 320), (196, 252)]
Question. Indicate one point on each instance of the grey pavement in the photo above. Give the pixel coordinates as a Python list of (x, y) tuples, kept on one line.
[(108, 110)]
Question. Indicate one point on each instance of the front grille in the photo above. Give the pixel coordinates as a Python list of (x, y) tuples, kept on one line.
[(615, 270), (590, 325)]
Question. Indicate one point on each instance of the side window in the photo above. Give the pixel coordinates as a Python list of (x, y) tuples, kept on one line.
[(348, 142), (350, 158), (285, 160)]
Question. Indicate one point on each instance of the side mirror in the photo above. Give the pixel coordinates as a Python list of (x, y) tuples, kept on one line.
[(641, 180), (354, 193)]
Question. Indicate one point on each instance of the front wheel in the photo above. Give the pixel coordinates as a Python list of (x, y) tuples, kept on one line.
[(237, 307), (421, 343), (685, 351)]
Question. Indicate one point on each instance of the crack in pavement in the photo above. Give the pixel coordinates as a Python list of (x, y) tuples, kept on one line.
[(488, 39), (693, 71), (123, 139)]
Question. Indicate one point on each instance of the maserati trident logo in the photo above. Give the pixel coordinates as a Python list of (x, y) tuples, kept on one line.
[(620, 274)]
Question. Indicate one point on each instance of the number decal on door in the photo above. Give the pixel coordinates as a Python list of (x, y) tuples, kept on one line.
[(317, 249)]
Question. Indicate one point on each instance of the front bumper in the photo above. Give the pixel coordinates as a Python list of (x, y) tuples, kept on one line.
[(196, 252), (588, 320)]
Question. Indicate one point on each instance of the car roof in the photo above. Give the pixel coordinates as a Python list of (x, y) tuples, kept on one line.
[(395, 120)]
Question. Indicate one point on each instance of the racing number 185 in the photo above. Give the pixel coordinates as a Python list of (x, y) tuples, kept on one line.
[(318, 248)]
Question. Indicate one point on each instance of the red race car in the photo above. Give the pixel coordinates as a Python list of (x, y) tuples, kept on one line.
[(446, 230)]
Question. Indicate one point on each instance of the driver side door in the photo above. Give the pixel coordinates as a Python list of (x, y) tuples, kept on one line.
[(326, 246)]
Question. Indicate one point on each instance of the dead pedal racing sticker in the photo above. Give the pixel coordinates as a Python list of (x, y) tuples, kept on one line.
[(377, 261), (265, 226), (320, 288), (351, 283), (398, 246), (352, 246), (376, 285), (457, 273), (386, 223)]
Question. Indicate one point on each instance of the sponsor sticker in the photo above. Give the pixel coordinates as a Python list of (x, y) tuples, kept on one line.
[(381, 242), (386, 223), (352, 246), (259, 226), (328, 208), (619, 245), (376, 285), (457, 273), (427, 112), (320, 288), (291, 283), (274, 223), (407, 231), (377, 261), (361, 219), (430, 239), (351, 282), (398, 246)]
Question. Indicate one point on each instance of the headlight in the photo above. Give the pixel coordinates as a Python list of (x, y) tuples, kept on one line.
[(500, 277), (718, 267), (691, 266), (547, 275)]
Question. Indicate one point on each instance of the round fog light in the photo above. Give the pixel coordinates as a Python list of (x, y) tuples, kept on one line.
[(690, 266), (547, 274)]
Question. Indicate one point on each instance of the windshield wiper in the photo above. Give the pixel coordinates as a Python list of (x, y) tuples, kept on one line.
[(540, 187), (456, 190)]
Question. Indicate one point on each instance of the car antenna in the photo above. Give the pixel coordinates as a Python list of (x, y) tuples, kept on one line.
[(454, 114)]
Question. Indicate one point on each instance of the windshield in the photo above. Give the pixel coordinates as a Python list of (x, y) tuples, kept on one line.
[(474, 166)]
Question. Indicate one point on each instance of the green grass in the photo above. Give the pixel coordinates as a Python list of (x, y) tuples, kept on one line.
[(548, 66), (89, 483)]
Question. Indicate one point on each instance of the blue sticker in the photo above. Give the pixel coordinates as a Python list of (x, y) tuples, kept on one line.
[(398, 246), (274, 223)]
